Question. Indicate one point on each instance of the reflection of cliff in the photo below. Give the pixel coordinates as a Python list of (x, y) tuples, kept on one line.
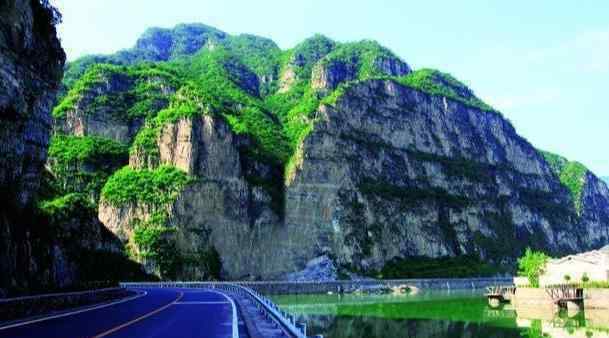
[(367, 327)]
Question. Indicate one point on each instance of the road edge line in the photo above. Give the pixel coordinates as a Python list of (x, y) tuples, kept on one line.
[(235, 319), (71, 313)]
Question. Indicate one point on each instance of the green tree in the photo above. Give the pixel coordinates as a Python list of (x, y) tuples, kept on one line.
[(532, 265)]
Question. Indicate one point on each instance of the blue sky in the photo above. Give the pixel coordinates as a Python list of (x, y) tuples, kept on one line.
[(544, 64)]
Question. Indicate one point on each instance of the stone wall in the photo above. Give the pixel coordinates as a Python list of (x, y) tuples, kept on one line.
[(596, 298)]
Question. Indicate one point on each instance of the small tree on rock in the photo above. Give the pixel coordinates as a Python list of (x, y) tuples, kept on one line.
[(532, 265)]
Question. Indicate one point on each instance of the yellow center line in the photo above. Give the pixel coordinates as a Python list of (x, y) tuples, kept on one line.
[(106, 333)]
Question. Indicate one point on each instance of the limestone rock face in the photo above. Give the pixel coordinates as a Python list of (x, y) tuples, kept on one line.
[(221, 210), (595, 213), (327, 76), (417, 175), (387, 172), (333, 150)]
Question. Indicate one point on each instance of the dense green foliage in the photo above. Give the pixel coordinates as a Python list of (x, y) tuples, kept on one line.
[(68, 149), (572, 175), (213, 88), (75, 69), (154, 240), (443, 267), (155, 187), (81, 164), (66, 206), (306, 54), (153, 237), (131, 92), (226, 81), (156, 44), (532, 265), (260, 55)]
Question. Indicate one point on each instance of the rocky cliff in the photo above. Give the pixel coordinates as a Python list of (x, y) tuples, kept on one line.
[(31, 62), (48, 239), (246, 161)]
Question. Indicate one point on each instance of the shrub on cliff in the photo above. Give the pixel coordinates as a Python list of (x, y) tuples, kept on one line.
[(572, 176), (154, 187)]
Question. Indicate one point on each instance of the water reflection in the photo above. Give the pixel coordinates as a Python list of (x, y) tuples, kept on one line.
[(446, 314)]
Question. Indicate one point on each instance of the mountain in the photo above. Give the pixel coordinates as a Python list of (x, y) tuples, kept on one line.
[(606, 179), (210, 155)]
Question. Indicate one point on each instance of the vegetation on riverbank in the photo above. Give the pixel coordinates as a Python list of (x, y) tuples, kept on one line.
[(443, 267), (531, 265)]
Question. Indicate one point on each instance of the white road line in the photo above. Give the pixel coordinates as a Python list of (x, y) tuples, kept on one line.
[(235, 323), (142, 294), (197, 303)]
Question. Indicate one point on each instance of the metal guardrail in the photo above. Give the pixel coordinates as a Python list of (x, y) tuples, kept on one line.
[(284, 319)]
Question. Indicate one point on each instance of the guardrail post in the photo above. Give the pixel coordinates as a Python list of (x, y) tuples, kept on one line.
[(302, 326)]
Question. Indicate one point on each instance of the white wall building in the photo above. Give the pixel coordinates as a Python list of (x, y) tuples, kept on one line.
[(594, 264)]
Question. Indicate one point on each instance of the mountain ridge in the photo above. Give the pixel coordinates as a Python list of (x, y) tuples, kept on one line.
[(196, 150), (270, 108)]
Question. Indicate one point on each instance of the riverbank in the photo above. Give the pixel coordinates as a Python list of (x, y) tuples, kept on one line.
[(349, 286)]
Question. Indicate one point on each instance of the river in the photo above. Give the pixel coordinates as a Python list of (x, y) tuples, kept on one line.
[(456, 314)]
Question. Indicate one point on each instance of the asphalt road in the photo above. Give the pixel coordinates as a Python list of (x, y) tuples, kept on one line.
[(159, 313)]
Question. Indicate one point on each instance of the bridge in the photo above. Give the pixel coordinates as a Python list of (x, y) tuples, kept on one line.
[(499, 294), (566, 296), (175, 309)]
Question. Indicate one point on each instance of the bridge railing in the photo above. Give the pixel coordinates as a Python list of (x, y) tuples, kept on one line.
[(272, 311)]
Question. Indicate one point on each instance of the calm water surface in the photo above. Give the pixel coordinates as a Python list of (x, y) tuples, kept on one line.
[(435, 314)]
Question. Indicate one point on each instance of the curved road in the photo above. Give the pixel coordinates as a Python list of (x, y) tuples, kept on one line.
[(180, 313)]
